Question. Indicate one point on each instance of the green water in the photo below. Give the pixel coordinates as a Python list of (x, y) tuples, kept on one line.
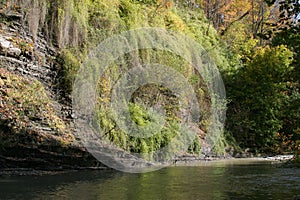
[(214, 181)]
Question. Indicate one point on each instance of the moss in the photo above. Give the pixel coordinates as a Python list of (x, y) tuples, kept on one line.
[(139, 115), (70, 63)]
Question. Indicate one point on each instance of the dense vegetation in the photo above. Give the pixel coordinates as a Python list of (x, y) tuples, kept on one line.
[(255, 45), (263, 113)]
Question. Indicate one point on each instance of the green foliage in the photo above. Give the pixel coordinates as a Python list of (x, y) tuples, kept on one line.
[(220, 145), (110, 17), (195, 147), (290, 38), (136, 144), (70, 64), (264, 93), (104, 20), (288, 34), (197, 27), (144, 97), (290, 116), (75, 26), (258, 95), (139, 115)]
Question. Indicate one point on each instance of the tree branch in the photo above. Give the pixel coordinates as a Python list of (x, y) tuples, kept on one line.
[(240, 18)]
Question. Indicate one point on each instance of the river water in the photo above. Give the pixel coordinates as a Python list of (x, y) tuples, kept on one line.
[(213, 180)]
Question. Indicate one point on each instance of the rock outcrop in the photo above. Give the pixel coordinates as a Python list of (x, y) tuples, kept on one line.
[(36, 122)]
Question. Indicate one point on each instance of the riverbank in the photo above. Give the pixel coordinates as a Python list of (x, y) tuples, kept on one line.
[(233, 160), (278, 159)]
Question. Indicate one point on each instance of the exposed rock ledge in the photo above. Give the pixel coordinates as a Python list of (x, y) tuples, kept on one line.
[(36, 123)]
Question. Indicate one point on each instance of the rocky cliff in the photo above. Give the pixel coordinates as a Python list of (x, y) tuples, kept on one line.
[(36, 122), (42, 44)]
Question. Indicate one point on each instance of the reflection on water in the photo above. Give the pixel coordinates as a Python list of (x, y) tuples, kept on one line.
[(218, 181)]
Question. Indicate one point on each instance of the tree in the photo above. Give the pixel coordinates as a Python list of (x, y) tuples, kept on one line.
[(257, 93), (286, 31)]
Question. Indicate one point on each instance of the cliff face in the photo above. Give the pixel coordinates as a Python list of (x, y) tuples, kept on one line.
[(36, 122), (42, 44)]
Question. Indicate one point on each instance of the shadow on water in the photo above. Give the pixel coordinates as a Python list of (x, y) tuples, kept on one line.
[(214, 181)]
